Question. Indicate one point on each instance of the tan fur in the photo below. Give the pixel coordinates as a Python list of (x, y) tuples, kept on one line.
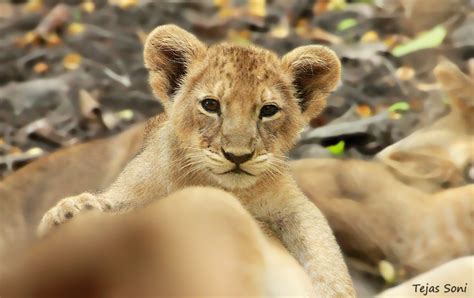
[(439, 155), (148, 256), (93, 165), (186, 148), (377, 217), (27, 194)]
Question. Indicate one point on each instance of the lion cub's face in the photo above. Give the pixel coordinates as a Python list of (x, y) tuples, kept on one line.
[(237, 115), (236, 110)]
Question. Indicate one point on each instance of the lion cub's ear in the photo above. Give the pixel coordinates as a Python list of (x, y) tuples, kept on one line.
[(169, 51), (316, 71)]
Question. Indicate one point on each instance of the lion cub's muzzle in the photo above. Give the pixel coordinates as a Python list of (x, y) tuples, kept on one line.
[(238, 159)]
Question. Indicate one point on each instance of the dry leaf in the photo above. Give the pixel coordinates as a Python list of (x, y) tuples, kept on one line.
[(52, 39), (14, 150), (75, 28), (110, 120), (124, 4), (241, 37), (34, 5), (337, 4), (427, 86), (34, 152), (54, 20), (323, 35), (320, 7), (370, 36), (40, 67), (88, 6), (395, 115), (126, 115), (302, 27), (405, 73), (387, 271), (88, 104), (391, 41), (221, 3), (72, 61), (257, 8), (29, 38), (364, 111), (281, 30)]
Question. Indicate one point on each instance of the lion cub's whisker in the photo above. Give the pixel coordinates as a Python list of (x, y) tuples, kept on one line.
[(234, 105)]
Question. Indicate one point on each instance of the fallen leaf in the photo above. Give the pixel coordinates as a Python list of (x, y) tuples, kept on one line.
[(391, 41), (321, 34), (427, 86), (346, 24), (124, 4), (281, 30), (395, 116), (52, 39), (405, 73), (337, 4), (240, 37), (35, 151), (75, 28), (55, 19), (399, 106), (302, 26), (72, 61), (387, 271), (110, 120), (364, 111), (320, 7), (424, 40), (34, 5), (257, 8), (126, 115), (221, 3), (14, 150), (370, 36), (88, 104), (31, 37), (88, 6), (337, 149), (40, 67)]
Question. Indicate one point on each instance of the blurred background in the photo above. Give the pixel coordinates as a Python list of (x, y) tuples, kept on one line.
[(72, 70)]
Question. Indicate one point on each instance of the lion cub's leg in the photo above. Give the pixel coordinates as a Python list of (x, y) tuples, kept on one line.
[(68, 208), (304, 231), (133, 188)]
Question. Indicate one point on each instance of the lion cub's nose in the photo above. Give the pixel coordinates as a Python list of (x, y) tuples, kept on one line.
[(237, 159)]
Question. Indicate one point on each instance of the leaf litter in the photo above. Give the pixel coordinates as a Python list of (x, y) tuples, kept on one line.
[(71, 71)]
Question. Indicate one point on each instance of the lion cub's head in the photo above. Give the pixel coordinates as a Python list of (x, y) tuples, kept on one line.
[(237, 110)]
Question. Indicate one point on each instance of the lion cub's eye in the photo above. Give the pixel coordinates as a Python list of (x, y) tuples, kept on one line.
[(211, 105), (268, 111)]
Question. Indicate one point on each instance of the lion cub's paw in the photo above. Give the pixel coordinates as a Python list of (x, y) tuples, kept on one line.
[(68, 208)]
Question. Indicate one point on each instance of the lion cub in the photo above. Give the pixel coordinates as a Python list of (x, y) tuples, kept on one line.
[(231, 114)]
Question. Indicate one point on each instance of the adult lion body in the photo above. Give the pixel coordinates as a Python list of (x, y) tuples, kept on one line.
[(231, 115)]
